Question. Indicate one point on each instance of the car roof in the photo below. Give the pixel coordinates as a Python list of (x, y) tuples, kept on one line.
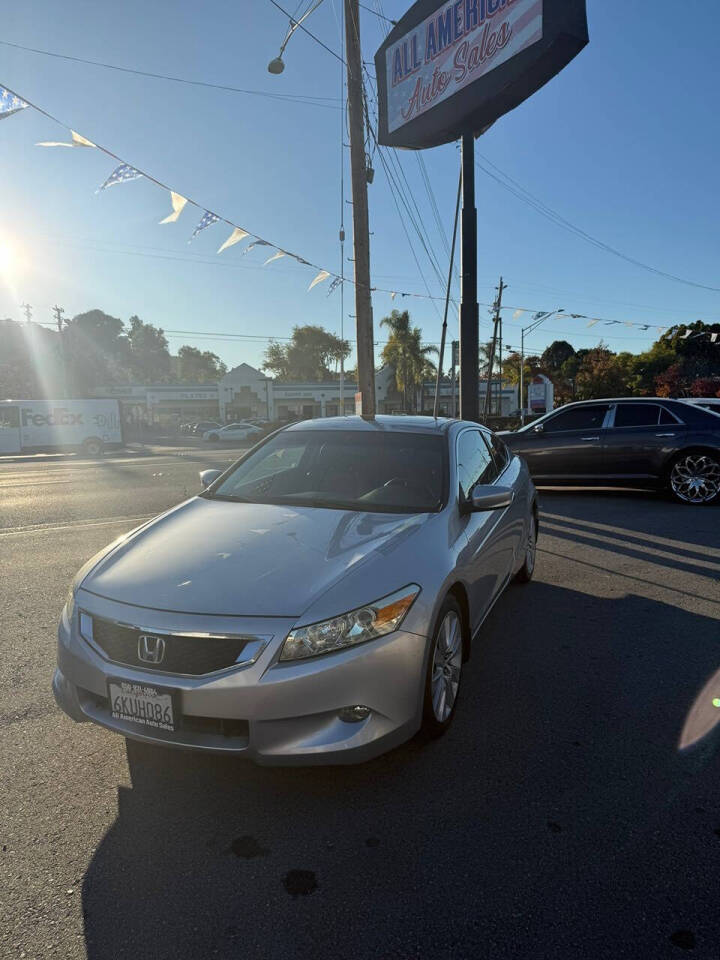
[(380, 424)]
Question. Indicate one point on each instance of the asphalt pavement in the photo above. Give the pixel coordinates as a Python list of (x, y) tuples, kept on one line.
[(558, 818)]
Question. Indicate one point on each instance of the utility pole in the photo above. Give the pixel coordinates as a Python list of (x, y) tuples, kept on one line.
[(27, 309), (58, 314), (361, 224), (469, 333), (498, 305)]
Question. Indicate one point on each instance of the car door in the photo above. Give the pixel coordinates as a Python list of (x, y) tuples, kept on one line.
[(485, 561), (568, 445), (639, 439)]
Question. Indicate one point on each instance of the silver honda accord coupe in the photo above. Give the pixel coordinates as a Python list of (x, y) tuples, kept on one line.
[(314, 604)]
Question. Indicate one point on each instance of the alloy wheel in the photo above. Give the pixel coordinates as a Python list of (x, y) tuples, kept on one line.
[(447, 663), (531, 548), (695, 478)]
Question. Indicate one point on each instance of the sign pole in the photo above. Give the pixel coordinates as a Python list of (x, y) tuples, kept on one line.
[(469, 316)]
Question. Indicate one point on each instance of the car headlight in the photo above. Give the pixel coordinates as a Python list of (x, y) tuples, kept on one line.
[(365, 623)]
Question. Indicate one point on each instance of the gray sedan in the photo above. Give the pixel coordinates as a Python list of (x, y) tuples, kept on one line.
[(315, 603)]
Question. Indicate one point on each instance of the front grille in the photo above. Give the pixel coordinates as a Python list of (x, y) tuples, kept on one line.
[(192, 656)]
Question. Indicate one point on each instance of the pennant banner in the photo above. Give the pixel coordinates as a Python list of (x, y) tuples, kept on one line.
[(207, 220), (10, 103), (178, 204), (77, 141), (323, 275), (256, 243), (236, 236), (518, 314), (334, 285), (275, 256), (120, 175)]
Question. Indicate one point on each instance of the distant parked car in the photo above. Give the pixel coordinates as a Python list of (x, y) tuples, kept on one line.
[(647, 441), (709, 403), (201, 428), (233, 431)]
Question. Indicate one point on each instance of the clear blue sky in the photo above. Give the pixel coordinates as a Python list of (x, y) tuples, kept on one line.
[(624, 143)]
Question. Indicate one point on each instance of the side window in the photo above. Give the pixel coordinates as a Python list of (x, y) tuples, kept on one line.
[(475, 463), (637, 415), (578, 418), (500, 452), (667, 419)]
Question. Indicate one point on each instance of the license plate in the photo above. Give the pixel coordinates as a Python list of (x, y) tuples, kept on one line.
[(143, 703)]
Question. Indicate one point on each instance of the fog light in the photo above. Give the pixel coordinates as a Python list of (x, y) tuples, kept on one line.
[(354, 714)]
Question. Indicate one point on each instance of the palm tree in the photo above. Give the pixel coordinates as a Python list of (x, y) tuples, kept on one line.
[(405, 353)]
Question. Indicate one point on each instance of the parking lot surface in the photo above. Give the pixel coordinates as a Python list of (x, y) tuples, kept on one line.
[(558, 818)]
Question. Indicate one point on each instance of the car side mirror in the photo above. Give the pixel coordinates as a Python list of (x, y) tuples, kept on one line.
[(489, 497), (538, 428), (208, 476)]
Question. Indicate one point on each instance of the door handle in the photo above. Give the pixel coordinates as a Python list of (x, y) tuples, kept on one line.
[(588, 439), (664, 434)]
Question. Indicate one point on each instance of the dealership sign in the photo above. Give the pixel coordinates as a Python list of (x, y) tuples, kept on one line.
[(455, 67)]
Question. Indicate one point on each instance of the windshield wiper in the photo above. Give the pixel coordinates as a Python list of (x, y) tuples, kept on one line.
[(225, 496)]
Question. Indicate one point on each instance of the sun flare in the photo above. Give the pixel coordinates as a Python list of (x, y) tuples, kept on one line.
[(8, 259)]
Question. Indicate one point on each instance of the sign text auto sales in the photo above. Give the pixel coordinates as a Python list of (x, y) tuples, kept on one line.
[(460, 42)]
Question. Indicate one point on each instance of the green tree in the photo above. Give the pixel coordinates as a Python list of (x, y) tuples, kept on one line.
[(511, 367), (554, 356), (199, 366), (310, 355), (97, 351), (600, 375), (149, 358), (407, 356), (30, 366)]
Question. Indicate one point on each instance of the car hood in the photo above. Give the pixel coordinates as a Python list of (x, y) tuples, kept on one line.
[(244, 559)]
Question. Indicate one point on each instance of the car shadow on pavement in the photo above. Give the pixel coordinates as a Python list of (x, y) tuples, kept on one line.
[(557, 817)]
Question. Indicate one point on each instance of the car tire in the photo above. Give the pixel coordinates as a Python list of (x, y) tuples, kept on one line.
[(693, 477), (213, 438), (444, 671), (93, 447), (526, 571)]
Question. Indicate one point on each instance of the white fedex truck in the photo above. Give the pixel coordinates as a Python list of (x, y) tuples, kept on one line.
[(87, 426)]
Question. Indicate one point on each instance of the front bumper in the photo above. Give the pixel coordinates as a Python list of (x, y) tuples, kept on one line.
[(270, 712)]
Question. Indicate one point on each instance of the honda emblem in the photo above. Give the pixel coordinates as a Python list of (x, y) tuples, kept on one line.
[(151, 649)]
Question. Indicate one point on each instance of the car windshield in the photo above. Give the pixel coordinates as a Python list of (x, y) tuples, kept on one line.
[(381, 472)]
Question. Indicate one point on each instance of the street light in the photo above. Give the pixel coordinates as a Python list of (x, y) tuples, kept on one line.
[(537, 320), (277, 64)]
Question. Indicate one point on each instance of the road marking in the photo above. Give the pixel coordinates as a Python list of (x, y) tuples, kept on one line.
[(53, 528), (32, 483)]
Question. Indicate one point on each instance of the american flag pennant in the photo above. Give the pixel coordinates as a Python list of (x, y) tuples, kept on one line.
[(76, 141), (644, 326), (256, 243), (275, 256), (334, 285), (236, 236), (207, 220), (323, 275), (178, 204), (611, 323), (10, 103), (120, 175)]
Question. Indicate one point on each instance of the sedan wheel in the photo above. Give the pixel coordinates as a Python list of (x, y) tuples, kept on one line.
[(526, 571), (444, 669), (695, 478)]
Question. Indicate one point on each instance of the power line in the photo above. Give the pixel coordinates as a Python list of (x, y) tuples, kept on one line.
[(375, 13), (328, 102), (544, 210)]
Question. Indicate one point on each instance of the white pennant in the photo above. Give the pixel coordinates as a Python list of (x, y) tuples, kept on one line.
[(593, 322), (393, 295), (714, 337), (77, 141), (275, 256), (323, 275), (236, 236), (178, 204)]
